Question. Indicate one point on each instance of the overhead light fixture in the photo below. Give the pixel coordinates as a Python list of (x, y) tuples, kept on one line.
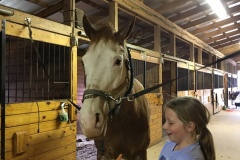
[(217, 8)]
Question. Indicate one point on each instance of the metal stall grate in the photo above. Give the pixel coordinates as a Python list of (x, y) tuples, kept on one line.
[(152, 76), (147, 73), (41, 74)]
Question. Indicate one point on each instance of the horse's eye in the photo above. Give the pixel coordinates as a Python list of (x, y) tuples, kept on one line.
[(118, 62)]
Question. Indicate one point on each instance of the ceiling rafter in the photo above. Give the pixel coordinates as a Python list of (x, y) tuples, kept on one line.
[(171, 5), (224, 35), (217, 24), (39, 2), (52, 9), (219, 31), (197, 10), (225, 41), (208, 18), (227, 44), (199, 21)]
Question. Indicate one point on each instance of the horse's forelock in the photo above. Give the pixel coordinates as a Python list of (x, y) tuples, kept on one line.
[(105, 33)]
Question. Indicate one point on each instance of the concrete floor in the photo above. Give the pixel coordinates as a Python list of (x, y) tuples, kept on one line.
[(225, 127)]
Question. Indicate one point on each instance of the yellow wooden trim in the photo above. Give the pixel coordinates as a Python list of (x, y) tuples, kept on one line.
[(47, 150), (37, 22), (43, 127), (21, 31)]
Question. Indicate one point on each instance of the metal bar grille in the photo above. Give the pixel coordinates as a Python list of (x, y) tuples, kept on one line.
[(31, 76), (150, 72)]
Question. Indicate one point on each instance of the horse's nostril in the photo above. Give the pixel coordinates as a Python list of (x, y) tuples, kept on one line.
[(97, 118)]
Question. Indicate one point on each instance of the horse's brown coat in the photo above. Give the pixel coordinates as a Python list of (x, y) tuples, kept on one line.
[(129, 133)]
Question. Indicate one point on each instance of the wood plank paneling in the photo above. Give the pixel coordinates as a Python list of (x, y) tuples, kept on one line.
[(155, 106), (42, 137)]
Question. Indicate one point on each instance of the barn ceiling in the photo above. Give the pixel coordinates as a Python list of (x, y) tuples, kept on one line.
[(194, 16)]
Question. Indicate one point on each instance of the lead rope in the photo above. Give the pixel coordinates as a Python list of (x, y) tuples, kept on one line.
[(28, 21)]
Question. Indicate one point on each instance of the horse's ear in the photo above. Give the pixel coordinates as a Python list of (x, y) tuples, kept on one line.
[(123, 33), (88, 28)]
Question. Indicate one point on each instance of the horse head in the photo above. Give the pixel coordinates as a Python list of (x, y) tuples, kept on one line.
[(107, 76)]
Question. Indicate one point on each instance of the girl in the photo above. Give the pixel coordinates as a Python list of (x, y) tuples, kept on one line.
[(189, 137)]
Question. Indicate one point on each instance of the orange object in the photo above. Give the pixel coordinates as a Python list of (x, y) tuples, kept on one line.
[(119, 157)]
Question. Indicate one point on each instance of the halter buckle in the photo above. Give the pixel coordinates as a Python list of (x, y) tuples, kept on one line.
[(130, 98), (119, 100)]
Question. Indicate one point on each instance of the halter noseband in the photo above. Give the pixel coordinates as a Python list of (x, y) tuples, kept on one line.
[(92, 93)]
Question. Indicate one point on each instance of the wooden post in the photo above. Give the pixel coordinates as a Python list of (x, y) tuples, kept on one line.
[(172, 44), (157, 47), (113, 14), (69, 19), (173, 76), (225, 86), (199, 55), (69, 14), (193, 76), (192, 58)]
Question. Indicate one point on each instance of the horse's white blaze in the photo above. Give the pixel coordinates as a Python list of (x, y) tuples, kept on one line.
[(102, 73)]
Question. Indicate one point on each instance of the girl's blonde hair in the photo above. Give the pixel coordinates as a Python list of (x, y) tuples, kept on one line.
[(190, 109)]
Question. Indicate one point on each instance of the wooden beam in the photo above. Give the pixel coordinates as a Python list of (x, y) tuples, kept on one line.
[(227, 44), (199, 21), (41, 35), (192, 53), (218, 43), (36, 22), (157, 38), (171, 5), (157, 48), (230, 49), (141, 31), (173, 76), (50, 10), (172, 44), (197, 10), (221, 37), (69, 12), (219, 31), (39, 2), (54, 8), (69, 19), (217, 24), (113, 14), (199, 56), (153, 17), (209, 18), (145, 40)]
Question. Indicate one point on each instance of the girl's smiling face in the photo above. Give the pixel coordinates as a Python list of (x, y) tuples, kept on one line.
[(175, 128)]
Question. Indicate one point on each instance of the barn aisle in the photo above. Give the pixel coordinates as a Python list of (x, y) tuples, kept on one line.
[(225, 127)]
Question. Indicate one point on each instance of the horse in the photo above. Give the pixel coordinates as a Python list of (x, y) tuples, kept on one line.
[(117, 123)]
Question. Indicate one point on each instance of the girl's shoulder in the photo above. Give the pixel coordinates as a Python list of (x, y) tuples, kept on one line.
[(188, 153)]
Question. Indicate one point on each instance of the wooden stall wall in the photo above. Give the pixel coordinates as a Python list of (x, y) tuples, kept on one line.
[(208, 85), (147, 71), (33, 129), (218, 91), (155, 104)]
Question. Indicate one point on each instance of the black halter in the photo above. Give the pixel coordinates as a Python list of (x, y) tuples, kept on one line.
[(92, 93)]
